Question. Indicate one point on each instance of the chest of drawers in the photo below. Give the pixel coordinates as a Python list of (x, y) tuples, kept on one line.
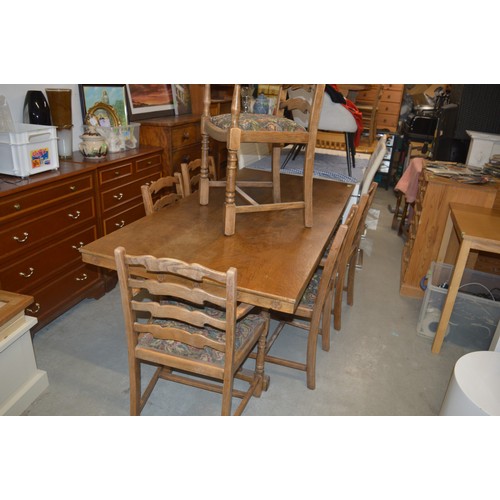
[(178, 136), (45, 219), (42, 227)]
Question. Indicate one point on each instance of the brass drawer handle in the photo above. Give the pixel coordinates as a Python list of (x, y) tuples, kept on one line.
[(21, 240), (120, 224), (117, 173), (27, 275), (83, 277), (185, 136), (118, 196), (35, 309), (75, 215), (72, 188), (17, 206), (80, 245)]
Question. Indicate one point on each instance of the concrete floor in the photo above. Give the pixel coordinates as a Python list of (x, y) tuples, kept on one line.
[(377, 364)]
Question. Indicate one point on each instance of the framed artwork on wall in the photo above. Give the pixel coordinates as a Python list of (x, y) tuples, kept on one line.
[(104, 96), (150, 100), (182, 98)]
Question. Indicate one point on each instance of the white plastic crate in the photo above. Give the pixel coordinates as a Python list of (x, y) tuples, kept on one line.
[(28, 150), (474, 318)]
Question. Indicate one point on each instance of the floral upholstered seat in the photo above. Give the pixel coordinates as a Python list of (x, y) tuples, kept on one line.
[(244, 328), (256, 122)]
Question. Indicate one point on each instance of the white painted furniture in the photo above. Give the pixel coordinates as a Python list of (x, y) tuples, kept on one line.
[(482, 147), (21, 382)]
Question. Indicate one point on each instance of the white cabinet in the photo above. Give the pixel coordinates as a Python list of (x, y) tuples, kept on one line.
[(21, 382)]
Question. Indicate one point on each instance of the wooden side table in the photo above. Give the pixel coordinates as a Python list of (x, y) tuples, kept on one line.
[(476, 229)]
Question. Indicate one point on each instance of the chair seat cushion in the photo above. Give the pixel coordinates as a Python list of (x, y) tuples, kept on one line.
[(309, 297), (244, 329), (256, 122)]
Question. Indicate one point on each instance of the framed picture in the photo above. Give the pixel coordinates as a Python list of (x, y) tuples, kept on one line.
[(110, 95), (150, 100), (182, 98)]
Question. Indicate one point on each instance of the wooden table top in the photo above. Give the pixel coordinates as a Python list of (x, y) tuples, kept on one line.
[(274, 253), (477, 223)]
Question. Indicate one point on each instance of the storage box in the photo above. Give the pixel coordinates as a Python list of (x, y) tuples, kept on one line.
[(28, 150), (474, 318), (121, 138)]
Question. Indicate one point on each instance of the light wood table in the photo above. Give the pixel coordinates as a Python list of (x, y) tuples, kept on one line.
[(274, 253), (475, 229)]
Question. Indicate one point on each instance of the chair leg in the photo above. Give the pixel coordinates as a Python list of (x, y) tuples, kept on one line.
[(308, 186), (352, 148), (135, 388), (229, 205), (337, 302), (351, 276), (276, 157), (348, 153), (204, 179)]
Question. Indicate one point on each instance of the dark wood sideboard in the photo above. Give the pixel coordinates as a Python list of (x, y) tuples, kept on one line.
[(47, 217)]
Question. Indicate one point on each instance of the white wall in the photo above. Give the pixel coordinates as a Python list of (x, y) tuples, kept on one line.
[(15, 94)]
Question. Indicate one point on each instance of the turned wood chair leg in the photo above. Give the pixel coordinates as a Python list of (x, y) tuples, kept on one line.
[(230, 205)]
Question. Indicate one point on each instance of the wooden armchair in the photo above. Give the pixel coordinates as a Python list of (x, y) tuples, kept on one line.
[(237, 128), (367, 102), (162, 192), (193, 335)]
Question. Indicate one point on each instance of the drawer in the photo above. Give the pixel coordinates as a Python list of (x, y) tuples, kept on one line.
[(186, 135), (366, 95), (123, 218), (389, 122), (47, 261), (185, 156), (38, 198), (66, 289), (149, 162), (24, 234), (391, 96), (394, 86), (119, 171), (389, 108), (125, 193)]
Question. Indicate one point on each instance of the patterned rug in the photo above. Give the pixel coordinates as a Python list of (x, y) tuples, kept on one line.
[(326, 166)]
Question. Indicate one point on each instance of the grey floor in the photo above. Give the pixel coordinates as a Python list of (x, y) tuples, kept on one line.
[(377, 364)]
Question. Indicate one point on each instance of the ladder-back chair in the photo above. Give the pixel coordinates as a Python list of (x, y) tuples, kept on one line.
[(313, 312), (162, 192), (185, 320)]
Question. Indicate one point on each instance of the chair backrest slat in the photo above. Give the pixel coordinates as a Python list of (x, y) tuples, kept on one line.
[(175, 302)]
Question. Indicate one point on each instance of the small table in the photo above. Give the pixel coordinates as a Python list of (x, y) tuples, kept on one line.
[(275, 255), (476, 228)]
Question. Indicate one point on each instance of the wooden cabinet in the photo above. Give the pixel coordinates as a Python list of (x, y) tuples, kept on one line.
[(180, 139), (428, 223), (42, 228), (178, 136), (45, 219)]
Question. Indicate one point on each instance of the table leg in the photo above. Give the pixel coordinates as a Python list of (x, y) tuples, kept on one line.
[(456, 279)]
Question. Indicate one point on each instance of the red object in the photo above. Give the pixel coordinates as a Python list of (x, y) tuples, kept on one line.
[(356, 113)]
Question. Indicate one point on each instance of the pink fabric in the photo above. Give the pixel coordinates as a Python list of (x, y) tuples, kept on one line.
[(408, 184)]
